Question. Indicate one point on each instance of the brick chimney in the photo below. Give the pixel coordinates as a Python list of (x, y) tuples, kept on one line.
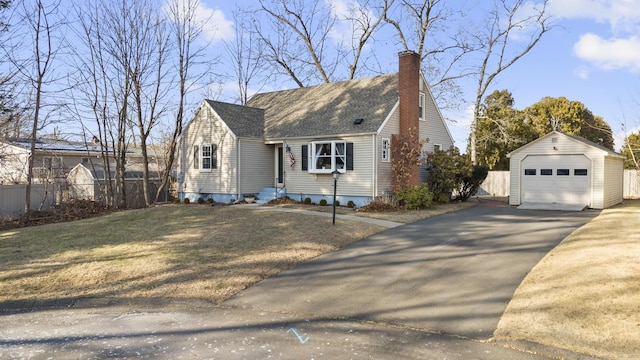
[(409, 92)]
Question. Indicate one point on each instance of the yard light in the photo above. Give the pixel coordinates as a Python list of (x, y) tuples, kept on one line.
[(336, 175)]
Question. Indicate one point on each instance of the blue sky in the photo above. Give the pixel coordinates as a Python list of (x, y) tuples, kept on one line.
[(591, 56)]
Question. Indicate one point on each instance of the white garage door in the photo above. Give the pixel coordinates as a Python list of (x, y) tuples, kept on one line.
[(562, 179)]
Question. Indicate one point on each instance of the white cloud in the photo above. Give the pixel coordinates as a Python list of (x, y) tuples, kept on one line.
[(216, 27), (582, 72), (609, 54), (621, 15), (346, 30)]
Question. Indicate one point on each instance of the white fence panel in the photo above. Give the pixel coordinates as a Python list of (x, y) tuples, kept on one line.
[(496, 184), (632, 184), (12, 198)]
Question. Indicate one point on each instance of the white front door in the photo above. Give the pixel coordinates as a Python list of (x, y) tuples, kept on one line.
[(279, 163)]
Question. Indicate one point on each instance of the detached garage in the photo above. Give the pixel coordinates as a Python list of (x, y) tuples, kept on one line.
[(566, 170)]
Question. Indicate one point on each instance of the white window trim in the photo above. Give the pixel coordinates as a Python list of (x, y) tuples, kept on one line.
[(438, 145), (421, 106), (203, 157), (314, 155), (386, 150)]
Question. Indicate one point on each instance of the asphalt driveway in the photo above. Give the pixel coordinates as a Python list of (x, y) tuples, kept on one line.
[(451, 274), (434, 289)]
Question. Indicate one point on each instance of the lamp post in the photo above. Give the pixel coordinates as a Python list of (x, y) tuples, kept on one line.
[(336, 175)]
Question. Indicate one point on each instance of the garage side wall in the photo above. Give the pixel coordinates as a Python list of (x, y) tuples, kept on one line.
[(614, 181)]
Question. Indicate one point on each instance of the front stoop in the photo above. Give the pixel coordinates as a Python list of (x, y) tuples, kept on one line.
[(269, 193)]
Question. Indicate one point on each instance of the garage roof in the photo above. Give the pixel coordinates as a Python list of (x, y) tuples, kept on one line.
[(606, 150)]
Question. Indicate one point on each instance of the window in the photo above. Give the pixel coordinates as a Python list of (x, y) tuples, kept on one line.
[(562, 172), (324, 157), (530, 172), (204, 157), (84, 160), (421, 106), (53, 165), (437, 147), (328, 157), (386, 149), (546, 171), (580, 172)]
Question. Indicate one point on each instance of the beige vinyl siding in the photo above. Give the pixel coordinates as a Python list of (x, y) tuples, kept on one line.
[(209, 131), (597, 178), (514, 179), (384, 172), (257, 165), (614, 181), (433, 127), (356, 182)]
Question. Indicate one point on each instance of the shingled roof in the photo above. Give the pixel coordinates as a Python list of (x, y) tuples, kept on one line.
[(244, 121), (328, 109)]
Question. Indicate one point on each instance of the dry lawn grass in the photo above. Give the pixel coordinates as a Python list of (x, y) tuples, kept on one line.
[(585, 294), (172, 252), (169, 252)]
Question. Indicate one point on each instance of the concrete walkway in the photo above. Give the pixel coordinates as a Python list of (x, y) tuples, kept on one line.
[(379, 222)]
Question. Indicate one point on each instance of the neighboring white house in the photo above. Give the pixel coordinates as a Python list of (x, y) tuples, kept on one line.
[(53, 159), (566, 169), (292, 141)]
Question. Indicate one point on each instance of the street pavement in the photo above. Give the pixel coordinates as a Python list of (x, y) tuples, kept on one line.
[(434, 289)]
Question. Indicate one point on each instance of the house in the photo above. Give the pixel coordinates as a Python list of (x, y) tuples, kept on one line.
[(53, 159), (291, 142), (564, 169)]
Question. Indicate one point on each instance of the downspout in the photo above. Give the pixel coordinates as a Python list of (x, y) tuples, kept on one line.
[(238, 169), (375, 168)]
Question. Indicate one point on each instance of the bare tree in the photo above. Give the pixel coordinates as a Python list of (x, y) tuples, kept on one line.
[(508, 23), (246, 55), (103, 61), (147, 71), (32, 52), (305, 44), (185, 29), (424, 27)]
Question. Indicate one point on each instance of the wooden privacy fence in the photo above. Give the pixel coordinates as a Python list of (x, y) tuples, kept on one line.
[(12, 198), (497, 184), (95, 191)]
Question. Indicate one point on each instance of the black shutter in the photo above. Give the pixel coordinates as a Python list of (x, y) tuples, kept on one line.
[(196, 164), (349, 156), (214, 156), (305, 159)]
